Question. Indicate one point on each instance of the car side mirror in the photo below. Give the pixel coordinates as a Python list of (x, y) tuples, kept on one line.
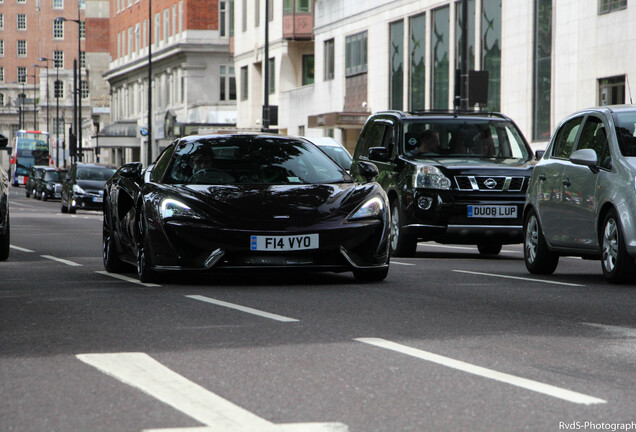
[(585, 157), (539, 154), (380, 154), (131, 171), (368, 170)]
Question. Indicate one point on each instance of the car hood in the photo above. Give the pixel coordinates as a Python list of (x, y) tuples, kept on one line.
[(477, 166), (282, 204), (93, 185)]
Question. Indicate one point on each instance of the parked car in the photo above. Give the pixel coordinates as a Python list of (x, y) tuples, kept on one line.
[(450, 177), (245, 201), (83, 186), (5, 232), (49, 184), (334, 150), (34, 173), (581, 198)]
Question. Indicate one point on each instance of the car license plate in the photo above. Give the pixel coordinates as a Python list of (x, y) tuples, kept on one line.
[(492, 211), (98, 199), (284, 243)]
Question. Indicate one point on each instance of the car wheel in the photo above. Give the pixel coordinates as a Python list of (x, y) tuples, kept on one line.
[(144, 261), (37, 195), (617, 265), (43, 195), (71, 209), (63, 208), (4, 242), (401, 244), (27, 193), (489, 248), (538, 258), (112, 263), (371, 275)]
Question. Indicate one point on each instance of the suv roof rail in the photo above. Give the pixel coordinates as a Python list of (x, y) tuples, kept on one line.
[(460, 113)]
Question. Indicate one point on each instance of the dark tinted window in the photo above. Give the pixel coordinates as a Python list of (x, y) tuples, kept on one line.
[(594, 136), (625, 126), (161, 164), (252, 160), (54, 176), (564, 141), (94, 173)]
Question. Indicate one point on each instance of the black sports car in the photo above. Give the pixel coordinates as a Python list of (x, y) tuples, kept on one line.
[(245, 201)]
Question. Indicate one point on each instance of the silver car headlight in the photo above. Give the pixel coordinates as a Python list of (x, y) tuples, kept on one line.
[(171, 208), (430, 177), (369, 209), (78, 190)]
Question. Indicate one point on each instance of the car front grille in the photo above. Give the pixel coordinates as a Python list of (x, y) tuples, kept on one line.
[(489, 183)]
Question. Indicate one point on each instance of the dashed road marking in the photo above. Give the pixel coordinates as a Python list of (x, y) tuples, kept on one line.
[(519, 278), (242, 308), (127, 279), (62, 260)]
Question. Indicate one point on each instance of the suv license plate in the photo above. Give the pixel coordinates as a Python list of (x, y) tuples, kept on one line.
[(284, 243), (494, 211)]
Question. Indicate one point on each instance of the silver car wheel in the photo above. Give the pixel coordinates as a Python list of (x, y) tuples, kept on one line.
[(610, 245), (395, 227), (532, 239)]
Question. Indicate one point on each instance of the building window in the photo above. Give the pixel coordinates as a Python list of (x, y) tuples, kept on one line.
[(396, 64), (417, 62), (166, 25), (303, 6), (227, 82), (58, 59), (22, 22), (244, 16), (288, 6), (605, 6), (329, 59), (440, 39), (22, 48), (82, 4), (222, 18), (1, 48), (270, 10), (181, 17), (22, 74), (308, 69), (58, 29), (21, 1), (83, 59), (157, 29), (1, 21), (1, 74), (82, 29), (58, 4), (244, 83), (491, 50), (611, 90), (459, 27), (57, 128), (174, 20), (1, 99), (137, 46), (271, 86), (542, 72), (356, 54), (58, 89), (257, 13)]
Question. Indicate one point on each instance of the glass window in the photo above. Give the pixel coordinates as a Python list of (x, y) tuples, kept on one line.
[(22, 48), (542, 69), (1, 73), (308, 69), (396, 62), (257, 13), (1, 48), (244, 84), (417, 67), (329, 59), (356, 54), (58, 29), (22, 22), (84, 88), (82, 29), (605, 6), (244, 16), (58, 4), (491, 50), (612, 90), (166, 25), (625, 123), (288, 6), (272, 76), (594, 136), (459, 28), (22, 74), (564, 141), (227, 83), (222, 18), (440, 53), (303, 6), (58, 59)]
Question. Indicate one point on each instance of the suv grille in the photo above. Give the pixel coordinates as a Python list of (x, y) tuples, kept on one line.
[(489, 183)]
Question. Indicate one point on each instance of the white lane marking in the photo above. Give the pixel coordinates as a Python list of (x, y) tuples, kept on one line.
[(625, 332), (126, 278), (20, 248), (518, 278), (242, 308), (62, 260), (141, 371), (402, 263), (528, 384), (448, 247)]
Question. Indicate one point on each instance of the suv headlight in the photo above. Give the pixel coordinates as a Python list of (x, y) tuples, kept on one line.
[(78, 190), (430, 177), (370, 209)]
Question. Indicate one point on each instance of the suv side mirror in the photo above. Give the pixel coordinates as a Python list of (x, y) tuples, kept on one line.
[(131, 171), (585, 157), (539, 154), (379, 153), (368, 170)]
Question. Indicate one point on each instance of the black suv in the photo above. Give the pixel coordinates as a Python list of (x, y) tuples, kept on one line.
[(451, 177), (83, 186)]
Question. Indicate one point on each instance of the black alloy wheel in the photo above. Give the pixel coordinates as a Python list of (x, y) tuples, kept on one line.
[(401, 244), (144, 264), (538, 258)]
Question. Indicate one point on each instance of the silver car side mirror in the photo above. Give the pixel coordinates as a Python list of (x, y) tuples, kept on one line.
[(585, 157)]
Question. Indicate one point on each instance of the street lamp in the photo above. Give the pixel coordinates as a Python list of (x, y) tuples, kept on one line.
[(78, 89)]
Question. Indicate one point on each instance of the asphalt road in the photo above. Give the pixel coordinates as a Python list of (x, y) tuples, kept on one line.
[(450, 341)]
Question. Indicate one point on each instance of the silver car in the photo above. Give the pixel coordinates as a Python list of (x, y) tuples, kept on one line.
[(581, 199)]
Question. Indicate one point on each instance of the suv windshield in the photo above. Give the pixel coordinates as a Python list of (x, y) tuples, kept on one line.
[(460, 138), (625, 127), (247, 160)]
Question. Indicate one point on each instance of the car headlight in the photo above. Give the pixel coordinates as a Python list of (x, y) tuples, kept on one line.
[(171, 208), (78, 190), (370, 209), (430, 177)]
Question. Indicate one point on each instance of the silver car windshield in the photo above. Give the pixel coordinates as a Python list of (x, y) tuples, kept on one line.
[(252, 160), (462, 139), (625, 131)]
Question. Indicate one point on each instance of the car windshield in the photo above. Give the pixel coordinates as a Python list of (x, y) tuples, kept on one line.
[(94, 173), (54, 176), (461, 138), (338, 154), (251, 160), (625, 131)]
